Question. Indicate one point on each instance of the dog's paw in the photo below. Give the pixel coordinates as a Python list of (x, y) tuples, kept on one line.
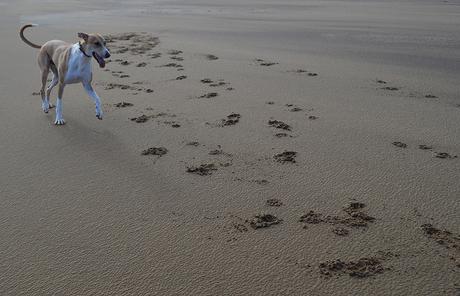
[(99, 114), (45, 106), (51, 106), (59, 121)]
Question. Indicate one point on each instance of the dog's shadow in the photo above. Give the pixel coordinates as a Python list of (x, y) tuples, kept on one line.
[(101, 145)]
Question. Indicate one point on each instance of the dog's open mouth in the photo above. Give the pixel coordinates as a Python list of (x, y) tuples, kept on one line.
[(99, 60)]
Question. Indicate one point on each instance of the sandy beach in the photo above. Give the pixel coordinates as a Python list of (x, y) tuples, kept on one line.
[(252, 147)]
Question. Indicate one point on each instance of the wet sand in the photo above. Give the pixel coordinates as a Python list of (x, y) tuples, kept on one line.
[(247, 148)]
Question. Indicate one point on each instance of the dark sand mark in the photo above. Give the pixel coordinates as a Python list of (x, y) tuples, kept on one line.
[(400, 144), (392, 88), (270, 103), (286, 156), (230, 88), (211, 57), (265, 63), (140, 119), (444, 155), (443, 237), (381, 81), (430, 96), (264, 220), (171, 65), (182, 77), (261, 182), (206, 80), (361, 268), (340, 231), (117, 85), (355, 217), (174, 52), (232, 119), (160, 151), (220, 83), (123, 104), (155, 55), (302, 71), (209, 95), (125, 63), (279, 124), (273, 202), (202, 170), (296, 109), (135, 43), (142, 64), (180, 59), (148, 90), (124, 76), (425, 147), (282, 135), (312, 117), (216, 152), (193, 143)]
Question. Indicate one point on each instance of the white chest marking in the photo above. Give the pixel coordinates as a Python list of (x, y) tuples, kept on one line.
[(79, 66)]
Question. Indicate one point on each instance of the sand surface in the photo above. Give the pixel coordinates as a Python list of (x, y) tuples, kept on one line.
[(285, 150)]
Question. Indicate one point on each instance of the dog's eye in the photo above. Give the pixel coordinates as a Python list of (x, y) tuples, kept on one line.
[(97, 43)]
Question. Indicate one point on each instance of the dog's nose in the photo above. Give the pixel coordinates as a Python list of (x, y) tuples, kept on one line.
[(107, 55)]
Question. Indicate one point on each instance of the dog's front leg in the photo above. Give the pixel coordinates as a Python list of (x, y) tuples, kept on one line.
[(93, 95), (59, 119)]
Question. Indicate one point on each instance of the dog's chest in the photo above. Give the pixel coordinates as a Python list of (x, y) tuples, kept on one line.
[(78, 69)]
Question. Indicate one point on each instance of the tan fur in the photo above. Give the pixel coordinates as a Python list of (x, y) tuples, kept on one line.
[(54, 56)]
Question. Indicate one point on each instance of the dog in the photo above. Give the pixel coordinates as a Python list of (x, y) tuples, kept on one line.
[(70, 63)]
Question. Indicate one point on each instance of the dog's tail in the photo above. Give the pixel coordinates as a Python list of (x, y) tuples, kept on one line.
[(21, 34)]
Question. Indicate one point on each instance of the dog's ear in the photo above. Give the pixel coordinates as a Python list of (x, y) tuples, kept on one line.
[(83, 36)]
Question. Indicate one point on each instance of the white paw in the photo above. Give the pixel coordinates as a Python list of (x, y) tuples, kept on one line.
[(45, 106), (99, 114), (59, 121)]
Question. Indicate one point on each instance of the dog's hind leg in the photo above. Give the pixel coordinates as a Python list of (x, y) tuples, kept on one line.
[(52, 84), (45, 104)]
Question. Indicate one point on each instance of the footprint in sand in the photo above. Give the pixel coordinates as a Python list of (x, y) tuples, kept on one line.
[(211, 57), (159, 151), (286, 156), (265, 63), (209, 95), (264, 220), (123, 104), (202, 170), (279, 124), (400, 144)]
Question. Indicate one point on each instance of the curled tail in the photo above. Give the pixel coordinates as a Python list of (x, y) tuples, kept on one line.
[(21, 34)]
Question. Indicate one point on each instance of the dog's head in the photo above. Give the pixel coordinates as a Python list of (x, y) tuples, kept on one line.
[(95, 45)]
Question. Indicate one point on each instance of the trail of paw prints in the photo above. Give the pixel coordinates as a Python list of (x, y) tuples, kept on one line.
[(220, 159), (360, 268), (264, 63), (217, 83), (429, 148), (391, 88), (303, 72), (354, 218), (278, 124), (445, 238), (164, 118), (134, 87)]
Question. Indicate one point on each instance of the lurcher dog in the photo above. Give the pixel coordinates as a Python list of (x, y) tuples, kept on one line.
[(70, 63)]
